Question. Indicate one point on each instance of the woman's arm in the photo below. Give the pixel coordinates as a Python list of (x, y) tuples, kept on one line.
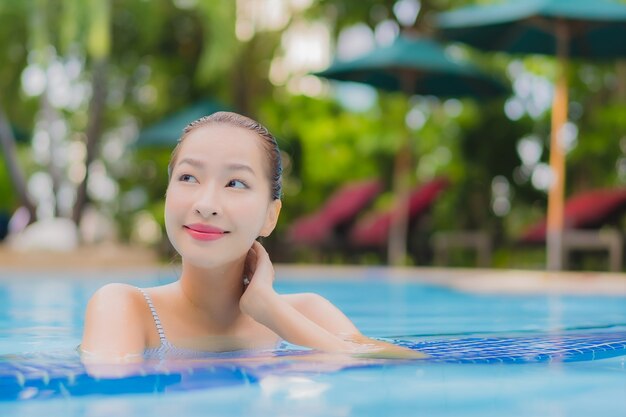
[(326, 315), (113, 331), (306, 319), (264, 305)]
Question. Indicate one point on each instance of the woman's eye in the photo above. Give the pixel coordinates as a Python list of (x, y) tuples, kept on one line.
[(187, 178), (237, 184)]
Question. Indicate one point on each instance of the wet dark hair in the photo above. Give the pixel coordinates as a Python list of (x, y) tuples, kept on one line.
[(237, 120)]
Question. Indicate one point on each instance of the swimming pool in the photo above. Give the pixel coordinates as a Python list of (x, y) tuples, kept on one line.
[(492, 354)]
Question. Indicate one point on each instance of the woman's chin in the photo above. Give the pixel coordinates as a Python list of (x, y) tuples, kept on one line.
[(212, 261)]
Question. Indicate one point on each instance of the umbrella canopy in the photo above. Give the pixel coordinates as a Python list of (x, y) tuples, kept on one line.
[(167, 131), (416, 66), (412, 66), (19, 134), (565, 28), (596, 28)]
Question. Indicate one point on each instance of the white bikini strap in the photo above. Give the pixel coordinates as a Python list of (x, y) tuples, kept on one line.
[(155, 316)]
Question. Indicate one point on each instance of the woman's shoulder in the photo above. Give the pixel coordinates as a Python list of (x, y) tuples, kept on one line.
[(305, 299), (118, 290), (116, 295), (311, 304), (115, 322), (318, 309)]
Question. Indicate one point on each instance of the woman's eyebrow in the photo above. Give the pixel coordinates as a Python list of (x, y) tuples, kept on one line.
[(240, 167), (235, 166), (193, 162)]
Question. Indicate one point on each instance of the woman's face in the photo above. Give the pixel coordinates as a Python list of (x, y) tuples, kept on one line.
[(218, 199)]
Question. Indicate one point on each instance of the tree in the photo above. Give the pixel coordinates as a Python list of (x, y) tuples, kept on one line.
[(7, 142)]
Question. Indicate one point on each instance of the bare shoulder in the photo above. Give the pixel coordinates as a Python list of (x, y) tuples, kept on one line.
[(306, 300), (114, 322), (321, 311), (113, 299), (116, 296)]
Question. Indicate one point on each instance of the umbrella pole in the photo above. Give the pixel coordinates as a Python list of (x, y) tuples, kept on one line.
[(554, 232), (398, 229)]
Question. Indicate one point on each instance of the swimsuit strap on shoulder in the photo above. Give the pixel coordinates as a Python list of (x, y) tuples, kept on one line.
[(155, 316)]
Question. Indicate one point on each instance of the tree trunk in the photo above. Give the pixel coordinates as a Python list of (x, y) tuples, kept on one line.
[(93, 133), (49, 115), (241, 85), (7, 141)]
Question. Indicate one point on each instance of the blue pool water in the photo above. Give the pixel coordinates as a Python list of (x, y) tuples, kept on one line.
[(490, 355)]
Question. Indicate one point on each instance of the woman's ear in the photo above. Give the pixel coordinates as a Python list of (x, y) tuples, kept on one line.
[(273, 212)]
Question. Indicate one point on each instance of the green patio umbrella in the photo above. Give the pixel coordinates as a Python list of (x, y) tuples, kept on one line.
[(167, 131), (20, 135), (564, 28), (412, 66)]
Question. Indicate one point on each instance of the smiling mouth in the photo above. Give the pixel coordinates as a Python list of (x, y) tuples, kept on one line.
[(205, 233)]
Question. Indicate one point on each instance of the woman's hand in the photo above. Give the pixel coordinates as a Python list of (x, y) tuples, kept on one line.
[(377, 349), (265, 306), (259, 275), (316, 323)]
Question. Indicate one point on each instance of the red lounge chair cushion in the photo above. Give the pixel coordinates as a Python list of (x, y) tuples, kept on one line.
[(583, 210), (341, 207), (373, 229)]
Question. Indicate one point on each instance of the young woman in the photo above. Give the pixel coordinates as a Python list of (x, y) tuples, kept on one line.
[(223, 193)]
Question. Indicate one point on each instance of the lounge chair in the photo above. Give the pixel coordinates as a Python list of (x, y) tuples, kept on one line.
[(372, 230), (586, 216), (478, 241), (324, 226)]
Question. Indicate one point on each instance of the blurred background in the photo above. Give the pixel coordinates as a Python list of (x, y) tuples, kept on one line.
[(94, 94)]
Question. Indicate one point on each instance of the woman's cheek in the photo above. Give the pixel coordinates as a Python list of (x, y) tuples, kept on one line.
[(171, 215)]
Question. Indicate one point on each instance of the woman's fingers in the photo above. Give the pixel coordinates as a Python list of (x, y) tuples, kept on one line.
[(258, 248), (259, 288), (263, 260), (250, 265)]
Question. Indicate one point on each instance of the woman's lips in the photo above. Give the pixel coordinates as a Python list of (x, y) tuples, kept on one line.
[(204, 232)]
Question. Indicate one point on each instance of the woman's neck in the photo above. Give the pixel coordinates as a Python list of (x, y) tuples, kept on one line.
[(214, 293)]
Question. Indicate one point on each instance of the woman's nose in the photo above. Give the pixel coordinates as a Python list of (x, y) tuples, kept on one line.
[(207, 202)]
